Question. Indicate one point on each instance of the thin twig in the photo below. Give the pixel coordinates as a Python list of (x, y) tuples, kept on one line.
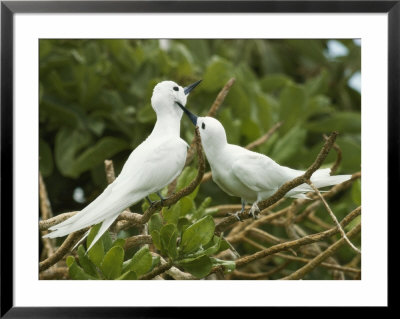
[(220, 97), (213, 110), (333, 217), (54, 273), (309, 239), (137, 240), (46, 213), (157, 271), (71, 240), (300, 273), (265, 137), (261, 275), (338, 156), (110, 173), (323, 264)]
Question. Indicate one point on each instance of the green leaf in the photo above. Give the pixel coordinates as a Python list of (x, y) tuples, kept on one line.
[(187, 175), (292, 106), (344, 122), (182, 224), (67, 143), (85, 262), (155, 236), (140, 263), (229, 265), (198, 267), (105, 148), (218, 72), (319, 84), (273, 82), (129, 275), (96, 253), (155, 222), (155, 261), (356, 192), (288, 145), (168, 236), (119, 242), (112, 262), (214, 248), (107, 241), (45, 158), (201, 210), (76, 272), (146, 114), (171, 214), (197, 235)]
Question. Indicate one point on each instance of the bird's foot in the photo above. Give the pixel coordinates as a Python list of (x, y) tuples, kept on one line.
[(151, 203), (162, 199), (237, 215), (254, 211)]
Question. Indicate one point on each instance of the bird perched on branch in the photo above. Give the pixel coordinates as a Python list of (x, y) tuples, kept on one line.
[(249, 175), (154, 164)]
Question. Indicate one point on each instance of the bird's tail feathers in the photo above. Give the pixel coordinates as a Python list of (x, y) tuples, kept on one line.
[(322, 181), (320, 178), (94, 214), (104, 226)]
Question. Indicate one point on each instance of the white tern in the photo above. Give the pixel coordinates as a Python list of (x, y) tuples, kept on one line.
[(250, 175), (151, 166)]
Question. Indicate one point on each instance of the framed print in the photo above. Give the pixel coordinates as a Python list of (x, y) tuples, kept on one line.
[(196, 153)]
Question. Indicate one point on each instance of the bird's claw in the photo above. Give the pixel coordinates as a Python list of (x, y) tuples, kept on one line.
[(236, 215), (254, 211)]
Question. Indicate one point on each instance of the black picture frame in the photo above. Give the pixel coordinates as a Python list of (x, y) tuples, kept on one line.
[(9, 8)]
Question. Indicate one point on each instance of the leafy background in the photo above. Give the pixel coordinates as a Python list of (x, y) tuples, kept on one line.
[(94, 104)]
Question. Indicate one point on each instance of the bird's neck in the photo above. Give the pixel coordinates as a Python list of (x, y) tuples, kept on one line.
[(213, 150), (167, 125)]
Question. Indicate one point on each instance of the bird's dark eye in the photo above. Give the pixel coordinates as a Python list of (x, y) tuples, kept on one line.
[(203, 126), (176, 88)]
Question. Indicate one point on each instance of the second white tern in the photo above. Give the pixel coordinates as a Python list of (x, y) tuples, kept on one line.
[(250, 175), (151, 166)]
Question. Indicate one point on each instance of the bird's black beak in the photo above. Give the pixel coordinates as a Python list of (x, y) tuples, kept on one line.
[(190, 87), (190, 115)]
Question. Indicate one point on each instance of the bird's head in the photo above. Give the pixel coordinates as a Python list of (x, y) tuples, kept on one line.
[(212, 132), (167, 94)]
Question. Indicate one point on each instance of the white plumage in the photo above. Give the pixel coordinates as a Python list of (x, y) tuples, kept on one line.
[(154, 164), (249, 175)]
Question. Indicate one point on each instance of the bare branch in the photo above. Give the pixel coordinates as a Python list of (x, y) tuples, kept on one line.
[(300, 273), (213, 110), (265, 137), (46, 213), (338, 156), (333, 217), (71, 240), (137, 240), (309, 239), (110, 173), (220, 97), (157, 271)]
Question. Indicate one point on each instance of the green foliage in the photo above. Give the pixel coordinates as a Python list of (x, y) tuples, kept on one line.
[(111, 262), (94, 104)]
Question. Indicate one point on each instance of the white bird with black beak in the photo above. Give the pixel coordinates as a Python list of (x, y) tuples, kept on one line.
[(154, 164), (249, 175)]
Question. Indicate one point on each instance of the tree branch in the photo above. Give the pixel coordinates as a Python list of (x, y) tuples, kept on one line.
[(309, 239), (71, 240), (300, 273)]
